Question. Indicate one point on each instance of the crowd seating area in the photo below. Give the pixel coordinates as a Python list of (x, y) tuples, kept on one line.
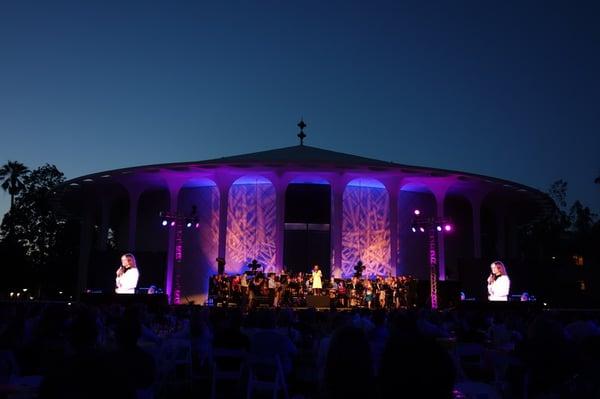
[(157, 351)]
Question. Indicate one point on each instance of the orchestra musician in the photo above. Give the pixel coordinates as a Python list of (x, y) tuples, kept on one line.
[(291, 289)]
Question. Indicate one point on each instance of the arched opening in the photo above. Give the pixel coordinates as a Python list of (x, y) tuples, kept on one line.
[(251, 224), (307, 239), (366, 227), (199, 200)]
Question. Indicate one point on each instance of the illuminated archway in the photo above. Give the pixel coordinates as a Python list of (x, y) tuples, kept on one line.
[(366, 227), (251, 224)]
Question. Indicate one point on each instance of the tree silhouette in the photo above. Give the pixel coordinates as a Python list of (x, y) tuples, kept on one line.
[(11, 176), (41, 240)]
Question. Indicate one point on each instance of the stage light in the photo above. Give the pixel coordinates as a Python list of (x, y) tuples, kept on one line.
[(12, 294), (18, 294), (422, 229), (414, 229), (188, 225), (24, 289), (60, 292), (417, 212), (438, 228), (164, 223), (448, 227), (197, 225), (173, 223)]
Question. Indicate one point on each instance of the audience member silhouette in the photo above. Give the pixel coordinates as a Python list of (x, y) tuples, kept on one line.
[(348, 369), (415, 366)]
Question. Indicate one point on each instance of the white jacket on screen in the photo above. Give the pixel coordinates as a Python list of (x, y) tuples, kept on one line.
[(127, 282), (498, 290)]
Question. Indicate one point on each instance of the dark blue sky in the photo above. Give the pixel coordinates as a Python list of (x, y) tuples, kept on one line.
[(507, 89)]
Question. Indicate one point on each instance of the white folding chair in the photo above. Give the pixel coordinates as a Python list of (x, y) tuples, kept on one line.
[(175, 364), (265, 374), (227, 366)]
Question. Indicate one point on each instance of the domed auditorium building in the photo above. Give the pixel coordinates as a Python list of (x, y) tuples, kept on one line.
[(290, 208)]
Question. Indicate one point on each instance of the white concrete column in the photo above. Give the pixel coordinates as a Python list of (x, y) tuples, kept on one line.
[(224, 185), (105, 205), (134, 201), (280, 189), (501, 232), (439, 191), (513, 236), (441, 239), (476, 199), (393, 188), (337, 218)]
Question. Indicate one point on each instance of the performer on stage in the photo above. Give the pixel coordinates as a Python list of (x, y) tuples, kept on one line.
[(316, 280), (127, 275), (498, 283)]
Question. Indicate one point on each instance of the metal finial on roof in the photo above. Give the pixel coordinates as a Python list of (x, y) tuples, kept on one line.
[(301, 135)]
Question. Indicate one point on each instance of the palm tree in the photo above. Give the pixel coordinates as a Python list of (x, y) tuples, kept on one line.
[(11, 178)]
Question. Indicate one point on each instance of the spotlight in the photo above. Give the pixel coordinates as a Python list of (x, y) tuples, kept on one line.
[(448, 227), (12, 294), (188, 225), (164, 222), (24, 289), (438, 228), (417, 212), (197, 225), (422, 229), (414, 229), (173, 223)]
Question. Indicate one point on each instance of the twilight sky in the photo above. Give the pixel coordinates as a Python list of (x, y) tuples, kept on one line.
[(501, 88)]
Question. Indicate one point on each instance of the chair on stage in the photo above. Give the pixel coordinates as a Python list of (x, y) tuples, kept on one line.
[(227, 366), (265, 374)]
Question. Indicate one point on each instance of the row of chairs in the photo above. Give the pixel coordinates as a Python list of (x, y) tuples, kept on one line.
[(261, 374), (228, 369)]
